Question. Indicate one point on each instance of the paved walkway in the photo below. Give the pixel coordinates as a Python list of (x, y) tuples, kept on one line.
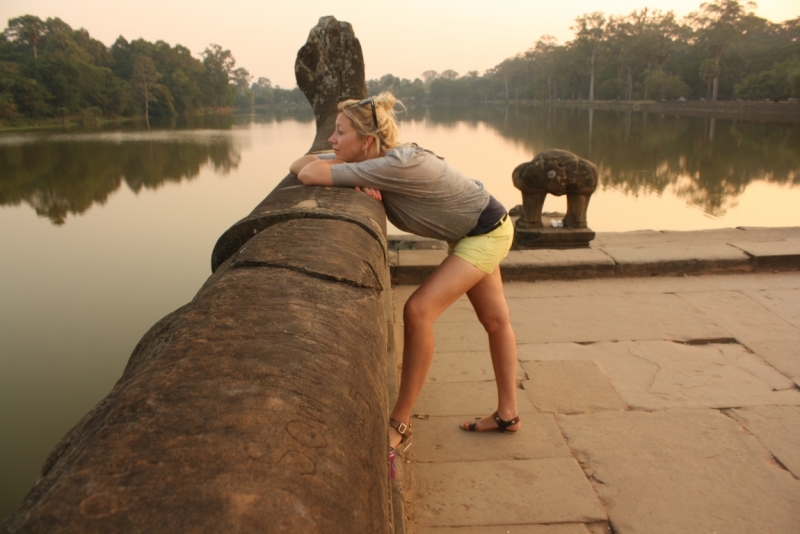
[(649, 405)]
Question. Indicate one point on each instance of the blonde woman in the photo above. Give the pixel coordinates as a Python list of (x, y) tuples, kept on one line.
[(423, 195)]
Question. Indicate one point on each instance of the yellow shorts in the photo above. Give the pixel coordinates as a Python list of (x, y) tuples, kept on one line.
[(485, 251)]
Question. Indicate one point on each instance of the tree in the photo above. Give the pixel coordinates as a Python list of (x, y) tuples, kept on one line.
[(590, 30), (219, 65), (718, 25), (450, 74), (145, 83), (27, 28)]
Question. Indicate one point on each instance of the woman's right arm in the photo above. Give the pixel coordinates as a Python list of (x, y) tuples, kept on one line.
[(298, 165)]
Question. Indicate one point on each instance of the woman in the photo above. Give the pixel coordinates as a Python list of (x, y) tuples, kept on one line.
[(425, 196)]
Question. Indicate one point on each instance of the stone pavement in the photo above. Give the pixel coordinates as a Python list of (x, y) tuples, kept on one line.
[(649, 405)]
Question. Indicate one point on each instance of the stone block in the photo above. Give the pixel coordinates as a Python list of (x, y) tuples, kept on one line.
[(439, 439), (654, 375), (516, 492), (773, 255), (674, 259), (476, 399), (682, 471), (777, 428), (569, 387)]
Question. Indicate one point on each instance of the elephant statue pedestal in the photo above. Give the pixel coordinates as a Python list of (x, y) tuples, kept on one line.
[(557, 172)]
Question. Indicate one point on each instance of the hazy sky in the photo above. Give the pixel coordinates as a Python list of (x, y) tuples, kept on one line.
[(404, 38)]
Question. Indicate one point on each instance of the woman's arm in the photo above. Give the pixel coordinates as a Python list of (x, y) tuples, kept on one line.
[(297, 166), (317, 172)]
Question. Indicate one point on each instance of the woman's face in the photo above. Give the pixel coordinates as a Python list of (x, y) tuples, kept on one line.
[(346, 143)]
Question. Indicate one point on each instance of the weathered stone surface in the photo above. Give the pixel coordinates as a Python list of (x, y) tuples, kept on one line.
[(551, 490), (592, 318), (653, 375), (464, 367), (439, 439), (557, 172), (330, 68), (777, 428), (569, 387), (574, 528), (682, 471), (771, 255), (678, 259), (449, 398), (742, 315), (294, 245), (548, 264), (221, 417), (301, 202)]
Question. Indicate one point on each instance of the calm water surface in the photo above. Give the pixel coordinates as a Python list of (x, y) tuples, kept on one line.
[(103, 232)]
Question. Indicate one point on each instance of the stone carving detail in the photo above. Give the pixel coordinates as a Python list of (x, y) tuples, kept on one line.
[(330, 68), (557, 172)]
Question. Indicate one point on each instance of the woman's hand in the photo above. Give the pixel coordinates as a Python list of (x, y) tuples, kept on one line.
[(374, 193)]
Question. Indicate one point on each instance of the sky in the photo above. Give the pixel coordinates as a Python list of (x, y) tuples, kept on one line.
[(404, 38)]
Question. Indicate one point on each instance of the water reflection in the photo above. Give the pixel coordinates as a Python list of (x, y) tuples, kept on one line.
[(706, 162)]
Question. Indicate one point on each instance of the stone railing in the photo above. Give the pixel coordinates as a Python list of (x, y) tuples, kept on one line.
[(261, 405)]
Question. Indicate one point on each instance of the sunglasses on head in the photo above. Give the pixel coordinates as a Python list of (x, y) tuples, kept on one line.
[(371, 102)]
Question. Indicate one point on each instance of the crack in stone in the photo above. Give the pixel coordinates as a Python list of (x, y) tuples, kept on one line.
[(251, 264)]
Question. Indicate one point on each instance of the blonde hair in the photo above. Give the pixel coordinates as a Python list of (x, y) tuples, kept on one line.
[(386, 131)]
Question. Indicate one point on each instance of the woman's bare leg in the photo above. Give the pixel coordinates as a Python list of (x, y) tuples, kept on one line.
[(489, 301), (449, 281)]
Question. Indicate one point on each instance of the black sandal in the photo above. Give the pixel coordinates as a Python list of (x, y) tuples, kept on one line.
[(502, 426)]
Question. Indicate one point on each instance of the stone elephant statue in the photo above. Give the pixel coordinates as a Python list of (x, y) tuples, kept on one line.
[(557, 172)]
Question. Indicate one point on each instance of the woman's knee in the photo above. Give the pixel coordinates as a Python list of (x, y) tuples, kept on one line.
[(415, 310), (495, 321)]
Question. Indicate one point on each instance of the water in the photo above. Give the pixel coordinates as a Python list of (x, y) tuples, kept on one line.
[(104, 232)]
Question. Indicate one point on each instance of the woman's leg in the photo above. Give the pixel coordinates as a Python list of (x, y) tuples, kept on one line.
[(454, 277), (489, 301)]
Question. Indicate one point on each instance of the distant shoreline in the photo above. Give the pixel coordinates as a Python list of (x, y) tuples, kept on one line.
[(752, 111)]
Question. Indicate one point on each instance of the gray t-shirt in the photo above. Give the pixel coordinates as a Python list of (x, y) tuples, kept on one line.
[(422, 194)]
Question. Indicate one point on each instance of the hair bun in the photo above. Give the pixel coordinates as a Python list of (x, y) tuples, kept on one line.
[(386, 100)]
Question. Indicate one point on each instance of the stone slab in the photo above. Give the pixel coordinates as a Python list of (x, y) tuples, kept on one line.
[(671, 259), (552, 490), (590, 319), (777, 428), (785, 303), (784, 254), (570, 386), (783, 280), (548, 264), (439, 439), (468, 401), (682, 471), (783, 355), (742, 316), (656, 375), (569, 528), (464, 367)]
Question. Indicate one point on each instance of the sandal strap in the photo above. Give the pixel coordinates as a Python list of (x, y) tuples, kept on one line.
[(402, 428), (503, 425)]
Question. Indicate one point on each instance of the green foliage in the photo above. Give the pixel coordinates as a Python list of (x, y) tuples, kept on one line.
[(664, 86), (49, 69), (774, 84)]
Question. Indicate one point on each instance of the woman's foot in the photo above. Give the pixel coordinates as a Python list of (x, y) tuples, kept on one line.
[(399, 433), (492, 423)]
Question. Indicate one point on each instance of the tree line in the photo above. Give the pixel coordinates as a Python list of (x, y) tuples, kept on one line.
[(723, 51), (49, 70)]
